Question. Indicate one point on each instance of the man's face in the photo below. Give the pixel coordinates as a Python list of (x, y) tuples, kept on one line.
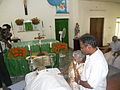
[(84, 48), (6, 34), (114, 39)]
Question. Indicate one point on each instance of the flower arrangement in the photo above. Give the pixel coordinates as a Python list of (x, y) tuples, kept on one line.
[(17, 53), (59, 47), (35, 20), (19, 21)]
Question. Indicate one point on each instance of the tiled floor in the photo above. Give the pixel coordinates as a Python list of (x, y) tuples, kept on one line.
[(113, 76), (113, 79)]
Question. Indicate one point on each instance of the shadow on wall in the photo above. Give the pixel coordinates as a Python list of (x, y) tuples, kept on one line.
[(1, 1)]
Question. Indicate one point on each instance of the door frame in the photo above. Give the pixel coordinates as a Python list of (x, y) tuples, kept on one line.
[(66, 39)]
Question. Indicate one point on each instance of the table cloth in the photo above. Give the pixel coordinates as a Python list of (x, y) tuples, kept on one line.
[(21, 67)]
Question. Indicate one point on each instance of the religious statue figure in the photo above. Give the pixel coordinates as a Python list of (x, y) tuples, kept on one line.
[(77, 30)]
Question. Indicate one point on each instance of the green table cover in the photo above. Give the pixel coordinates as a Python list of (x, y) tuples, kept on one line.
[(21, 67)]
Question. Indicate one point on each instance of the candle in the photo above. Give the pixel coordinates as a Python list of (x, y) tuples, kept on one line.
[(11, 25), (12, 29), (40, 43), (29, 47), (50, 44), (42, 25)]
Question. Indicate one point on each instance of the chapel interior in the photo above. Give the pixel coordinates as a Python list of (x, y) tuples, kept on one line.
[(37, 25)]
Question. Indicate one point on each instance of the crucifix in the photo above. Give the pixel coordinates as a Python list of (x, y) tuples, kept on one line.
[(25, 7)]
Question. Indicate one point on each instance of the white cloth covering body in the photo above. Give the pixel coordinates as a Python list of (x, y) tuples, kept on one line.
[(95, 71), (47, 79)]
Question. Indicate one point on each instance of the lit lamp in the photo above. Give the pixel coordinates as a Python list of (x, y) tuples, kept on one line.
[(39, 43), (50, 44), (29, 49)]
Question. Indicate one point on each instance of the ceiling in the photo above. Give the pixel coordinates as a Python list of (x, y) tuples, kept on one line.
[(104, 0)]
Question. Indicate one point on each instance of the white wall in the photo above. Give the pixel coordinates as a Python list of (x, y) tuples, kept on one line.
[(99, 9), (13, 9), (79, 11)]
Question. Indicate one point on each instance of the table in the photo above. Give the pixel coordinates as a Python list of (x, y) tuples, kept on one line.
[(47, 79), (21, 67)]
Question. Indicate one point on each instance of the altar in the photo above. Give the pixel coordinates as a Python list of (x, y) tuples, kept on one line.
[(21, 67)]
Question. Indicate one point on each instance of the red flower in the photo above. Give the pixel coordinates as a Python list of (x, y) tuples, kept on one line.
[(19, 21), (17, 53), (59, 47), (35, 20)]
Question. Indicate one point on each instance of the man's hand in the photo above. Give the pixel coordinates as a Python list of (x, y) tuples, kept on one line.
[(77, 76)]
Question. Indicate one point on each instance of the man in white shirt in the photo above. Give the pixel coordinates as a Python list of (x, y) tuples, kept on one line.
[(114, 50), (96, 68)]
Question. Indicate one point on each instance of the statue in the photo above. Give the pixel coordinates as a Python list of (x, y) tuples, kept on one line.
[(77, 30)]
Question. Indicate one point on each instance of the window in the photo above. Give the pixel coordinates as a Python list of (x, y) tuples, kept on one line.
[(117, 32)]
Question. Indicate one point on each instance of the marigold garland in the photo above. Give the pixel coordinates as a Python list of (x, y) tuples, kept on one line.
[(59, 47), (17, 53)]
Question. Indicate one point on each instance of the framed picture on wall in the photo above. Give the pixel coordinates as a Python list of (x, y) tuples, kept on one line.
[(62, 6)]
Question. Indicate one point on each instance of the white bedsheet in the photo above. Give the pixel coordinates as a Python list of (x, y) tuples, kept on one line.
[(47, 79)]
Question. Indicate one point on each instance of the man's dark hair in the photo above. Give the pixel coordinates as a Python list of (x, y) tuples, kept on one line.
[(88, 39), (115, 37), (7, 25), (5, 32)]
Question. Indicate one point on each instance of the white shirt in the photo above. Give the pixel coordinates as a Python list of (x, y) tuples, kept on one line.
[(95, 71), (3, 46), (115, 46)]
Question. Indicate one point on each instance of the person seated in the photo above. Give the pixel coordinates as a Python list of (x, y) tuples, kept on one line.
[(114, 50), (75, 69)]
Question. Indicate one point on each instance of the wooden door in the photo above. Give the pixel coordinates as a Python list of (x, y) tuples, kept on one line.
[(96, 29), (59, 25)]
